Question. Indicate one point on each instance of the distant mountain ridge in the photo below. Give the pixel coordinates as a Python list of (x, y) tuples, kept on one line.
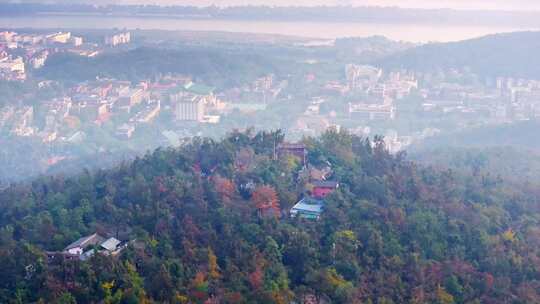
[(294, 12), (509, 54)]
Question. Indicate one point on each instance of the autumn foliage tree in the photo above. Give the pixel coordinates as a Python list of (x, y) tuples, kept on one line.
[(265, 199), (394, 232), (225, 188)]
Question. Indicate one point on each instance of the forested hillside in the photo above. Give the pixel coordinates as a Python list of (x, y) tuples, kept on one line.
[(199, 231), (521, 134), (216, 67), (497, 55), (517, 165)]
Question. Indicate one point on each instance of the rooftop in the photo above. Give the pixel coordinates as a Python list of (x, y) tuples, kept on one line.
[(86, 241), (110, 244), (292, 146), (308, 204), (199, 89), (326, 184)]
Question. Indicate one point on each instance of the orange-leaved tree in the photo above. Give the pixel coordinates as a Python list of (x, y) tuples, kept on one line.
[(266, 200), (225, 188)]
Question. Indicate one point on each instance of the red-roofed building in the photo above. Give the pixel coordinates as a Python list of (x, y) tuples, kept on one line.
[(321, 189)]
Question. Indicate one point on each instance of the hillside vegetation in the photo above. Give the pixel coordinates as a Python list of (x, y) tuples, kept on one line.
[(507, 55), (219, 68), (394, 232), (522, 134)]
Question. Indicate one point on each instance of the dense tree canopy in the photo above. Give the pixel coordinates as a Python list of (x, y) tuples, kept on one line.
[(394, 232)]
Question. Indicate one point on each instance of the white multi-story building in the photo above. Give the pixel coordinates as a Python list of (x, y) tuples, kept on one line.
[(117, 39), (188, 107)]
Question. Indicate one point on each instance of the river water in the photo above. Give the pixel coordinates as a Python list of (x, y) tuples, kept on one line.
[(326, 30)]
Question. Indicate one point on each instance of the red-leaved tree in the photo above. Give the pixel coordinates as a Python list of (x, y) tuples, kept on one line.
[(266, 200)]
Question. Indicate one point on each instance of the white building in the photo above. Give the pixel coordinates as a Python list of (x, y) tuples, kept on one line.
[(60, 37), (83, 246), (79, 245), (188, 107), (372, 111), (7, 36), (76, 41), (38, 61), (9, 64), (117, 39), (359, 74)]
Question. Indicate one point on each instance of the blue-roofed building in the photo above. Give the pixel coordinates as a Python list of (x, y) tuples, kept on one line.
[(308, 208)]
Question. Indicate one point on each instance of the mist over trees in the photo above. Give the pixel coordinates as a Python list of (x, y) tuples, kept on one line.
[(394, 232), (154, 166)]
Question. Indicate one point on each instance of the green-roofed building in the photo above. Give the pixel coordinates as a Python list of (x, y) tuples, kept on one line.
[(199, 89)]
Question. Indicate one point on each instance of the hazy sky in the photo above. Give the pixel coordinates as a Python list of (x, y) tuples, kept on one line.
[(457, 4)]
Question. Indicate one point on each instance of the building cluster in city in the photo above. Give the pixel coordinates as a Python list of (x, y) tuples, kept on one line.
[(366, 100), (121, 108), (124, 105), (108, 101), (375, 95), (369, 97), (22, 52), (365, 96), (378, 99), (494, 100)]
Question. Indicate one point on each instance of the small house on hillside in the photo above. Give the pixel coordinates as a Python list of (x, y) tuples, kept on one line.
[(308, 208), (87, 246), (321, 189), (79, 246), (111, 244)]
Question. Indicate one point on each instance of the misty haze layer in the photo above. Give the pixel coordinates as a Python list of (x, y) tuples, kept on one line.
[(257, 152), (428, 4)]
